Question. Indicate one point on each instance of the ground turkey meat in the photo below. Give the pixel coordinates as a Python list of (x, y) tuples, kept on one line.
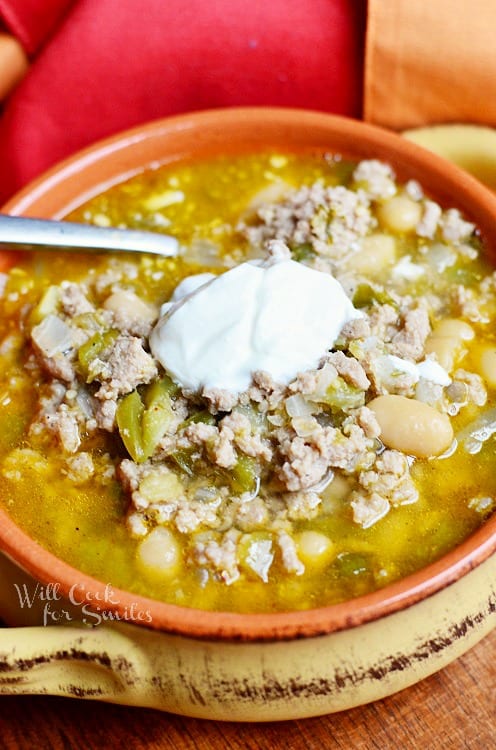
[(359, 328), (454, 228), (237, 428), (218, 445), (387, 483), (383, 321), (125, 366), (309, 459), (377, 178), (74, 300), (289, 555), (409, 342), (368, 509), (219, 557), (64, 424), (302, 505), (330, 219), (252, 514), (219, 399), (476, 390), (190, 515), (428, 223), (350, 370), (80, 468), (367, 420)]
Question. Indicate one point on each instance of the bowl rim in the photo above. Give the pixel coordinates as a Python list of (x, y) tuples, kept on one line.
[(472, 197)]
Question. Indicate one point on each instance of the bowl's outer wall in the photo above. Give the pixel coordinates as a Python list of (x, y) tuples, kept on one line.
[(233, 131), (248, 681)]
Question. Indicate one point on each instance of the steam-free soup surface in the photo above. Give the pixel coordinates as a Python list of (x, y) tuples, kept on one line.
[(287, 496)]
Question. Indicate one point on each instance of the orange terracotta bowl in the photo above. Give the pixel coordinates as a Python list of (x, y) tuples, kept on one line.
[(358, 650)]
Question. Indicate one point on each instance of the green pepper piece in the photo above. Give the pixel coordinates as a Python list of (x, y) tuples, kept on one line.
[(244, 475), (184, 459), (342, 395), (165, 387), (157, 417), (353, 564), (201, 416), (302, 252), (94, 346), (366, 294), (129, 417)]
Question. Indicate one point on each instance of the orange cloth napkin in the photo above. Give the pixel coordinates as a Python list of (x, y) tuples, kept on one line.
[(13, 64), (430, 61)]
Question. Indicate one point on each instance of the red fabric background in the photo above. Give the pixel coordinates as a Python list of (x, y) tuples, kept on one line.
[(32, 21), (114, 63)]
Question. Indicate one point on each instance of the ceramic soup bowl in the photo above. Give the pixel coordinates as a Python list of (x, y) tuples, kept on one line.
[(223, 665)]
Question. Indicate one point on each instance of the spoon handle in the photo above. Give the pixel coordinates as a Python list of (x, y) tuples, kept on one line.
[(45, 234)]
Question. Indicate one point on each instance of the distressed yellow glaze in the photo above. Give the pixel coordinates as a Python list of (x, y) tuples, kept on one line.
[(219, 680)]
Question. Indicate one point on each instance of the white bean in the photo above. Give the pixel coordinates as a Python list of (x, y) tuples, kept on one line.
[(454, 328), (411, 426), (130, 304), (159, 553), (486, 361), (376, 252), (399, 214), (314, 549), (447, 341)]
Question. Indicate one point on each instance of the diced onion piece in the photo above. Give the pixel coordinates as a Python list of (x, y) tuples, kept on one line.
[(160, 486), (477, 432), (256, 554), (52, 336), (298, 406)]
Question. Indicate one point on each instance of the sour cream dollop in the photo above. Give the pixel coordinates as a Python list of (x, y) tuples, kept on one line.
[(428, 369), (280, 317)]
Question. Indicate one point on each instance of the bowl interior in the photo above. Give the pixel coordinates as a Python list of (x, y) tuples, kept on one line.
[(235, 131)]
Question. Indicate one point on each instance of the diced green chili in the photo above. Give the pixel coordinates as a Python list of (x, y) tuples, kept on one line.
[(94, 346), (200, 416), (366, 294), (353, 564), (129, 417), (302, 252), (159, 389), (184, 459), (342, 395), (155, 422), (244, 475), (142, 428)]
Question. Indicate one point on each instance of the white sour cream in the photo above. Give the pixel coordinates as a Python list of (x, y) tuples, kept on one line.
[(428, 369), (280, 317)]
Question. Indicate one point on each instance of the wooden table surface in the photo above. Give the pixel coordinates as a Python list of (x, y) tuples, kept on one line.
[(453, 709)]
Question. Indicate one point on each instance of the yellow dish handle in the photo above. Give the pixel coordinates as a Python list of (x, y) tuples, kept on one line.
[(472, 147), (101, 663)]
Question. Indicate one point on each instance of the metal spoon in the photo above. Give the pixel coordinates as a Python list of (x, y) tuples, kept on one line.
[(45, 234)]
